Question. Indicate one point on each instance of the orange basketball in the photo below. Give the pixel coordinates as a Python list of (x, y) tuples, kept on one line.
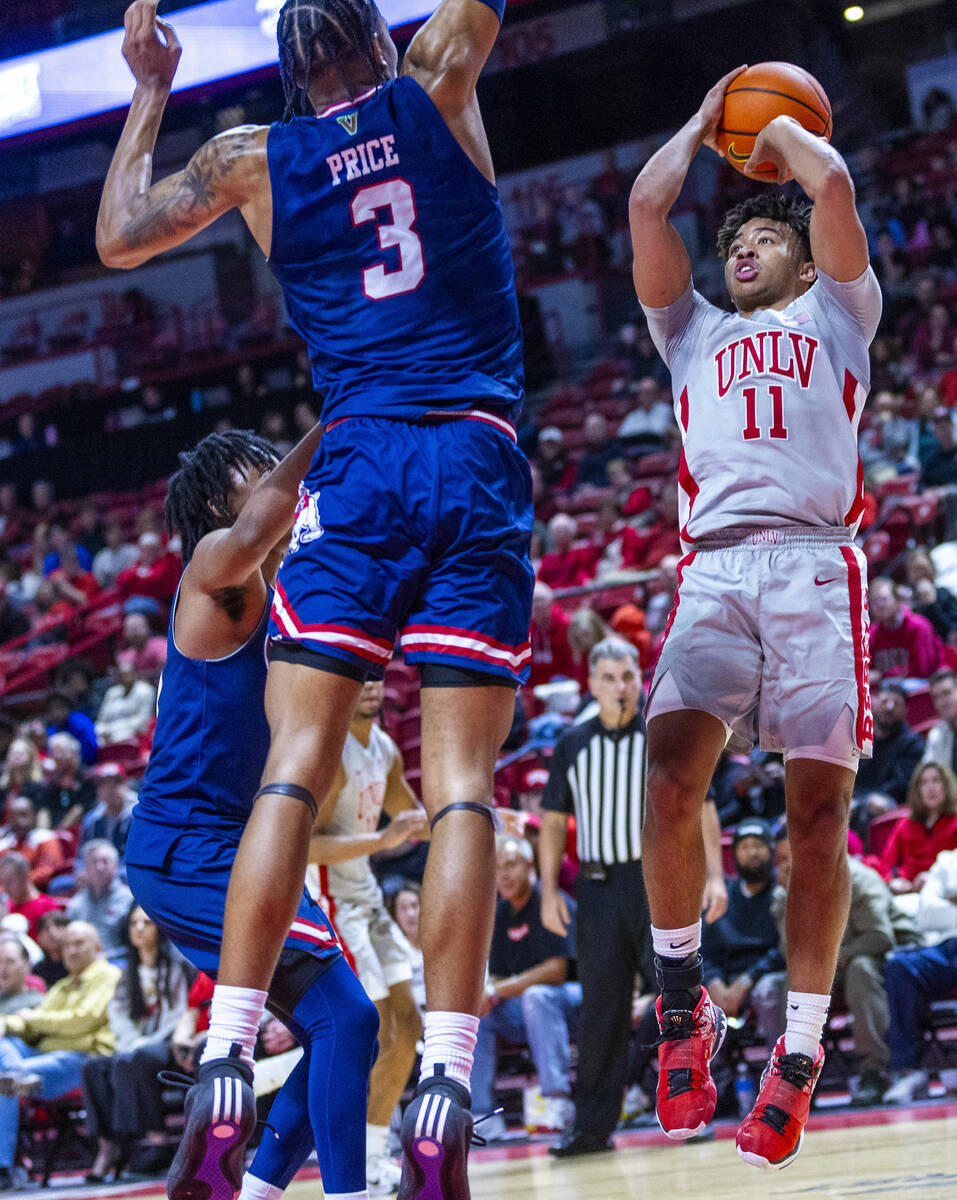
[(757, 96)]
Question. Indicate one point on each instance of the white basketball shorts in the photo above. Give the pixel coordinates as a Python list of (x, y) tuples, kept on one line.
[(768, 633), (376, 944)]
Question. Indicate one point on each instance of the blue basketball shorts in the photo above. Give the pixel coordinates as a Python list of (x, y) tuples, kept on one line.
[(415, 530), (180, 876)]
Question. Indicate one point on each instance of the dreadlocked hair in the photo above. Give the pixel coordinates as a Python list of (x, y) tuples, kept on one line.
[(789, 210), (323, 33), (197, 499)]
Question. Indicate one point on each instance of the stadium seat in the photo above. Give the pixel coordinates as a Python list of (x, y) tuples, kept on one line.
[(881, 829)]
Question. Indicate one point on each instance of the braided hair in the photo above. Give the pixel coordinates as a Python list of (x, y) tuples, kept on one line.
[(787, 210), (197, 500), (328, 31)]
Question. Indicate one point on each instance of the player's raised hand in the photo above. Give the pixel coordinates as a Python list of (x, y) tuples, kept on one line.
[(150, 47), (409, 823), (713, 105), (767, 149)]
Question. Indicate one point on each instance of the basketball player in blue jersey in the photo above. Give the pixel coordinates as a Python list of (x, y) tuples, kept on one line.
[(380, 218), (233, 507)]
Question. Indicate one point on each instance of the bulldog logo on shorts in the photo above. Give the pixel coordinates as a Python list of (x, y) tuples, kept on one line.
[(306, 526)]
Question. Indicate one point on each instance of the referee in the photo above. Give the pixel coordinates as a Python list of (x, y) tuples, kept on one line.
[(598, 772)]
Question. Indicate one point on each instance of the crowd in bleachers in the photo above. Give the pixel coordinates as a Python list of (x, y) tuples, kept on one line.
[(86, 586)]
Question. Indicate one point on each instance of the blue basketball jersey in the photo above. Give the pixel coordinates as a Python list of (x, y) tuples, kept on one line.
[(391, 252), (211, 737)]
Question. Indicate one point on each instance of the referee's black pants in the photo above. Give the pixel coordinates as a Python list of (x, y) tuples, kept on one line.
[(614, 941)]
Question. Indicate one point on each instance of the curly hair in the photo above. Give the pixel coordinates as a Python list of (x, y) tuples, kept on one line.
[(788, 210), (327, 30), (197, 500)]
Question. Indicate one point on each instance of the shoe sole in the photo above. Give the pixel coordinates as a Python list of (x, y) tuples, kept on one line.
[(432, 1170), (764, 1164), (682, 1135)]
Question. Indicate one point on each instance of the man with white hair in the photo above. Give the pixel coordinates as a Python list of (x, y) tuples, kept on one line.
[(528, 996), (150, 583), (105, 901), (68, 792), (42, 1050), (565, 565)]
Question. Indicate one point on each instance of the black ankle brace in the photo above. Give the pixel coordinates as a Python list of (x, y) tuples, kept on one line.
[(679, 975), (290, 789)]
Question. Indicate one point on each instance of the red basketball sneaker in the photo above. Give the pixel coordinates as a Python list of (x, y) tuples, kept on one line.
[(689, 1041), (771, 1134)]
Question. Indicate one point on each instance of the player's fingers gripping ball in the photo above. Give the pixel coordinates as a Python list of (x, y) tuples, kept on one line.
[(756, 97)]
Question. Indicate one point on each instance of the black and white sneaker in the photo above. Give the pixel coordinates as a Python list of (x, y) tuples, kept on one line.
[(220, 1119), (436, 1134)]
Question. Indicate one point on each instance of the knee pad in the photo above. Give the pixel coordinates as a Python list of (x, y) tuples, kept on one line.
[(485, 810), (290, 789)]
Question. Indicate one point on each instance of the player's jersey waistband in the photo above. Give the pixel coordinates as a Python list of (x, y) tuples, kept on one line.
[(754, 537), (439, 416)]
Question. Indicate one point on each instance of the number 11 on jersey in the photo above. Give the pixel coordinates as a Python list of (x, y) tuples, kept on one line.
[(778, 429), (396, 195)]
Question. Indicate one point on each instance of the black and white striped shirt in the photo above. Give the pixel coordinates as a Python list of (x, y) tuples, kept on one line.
[(599, 775)]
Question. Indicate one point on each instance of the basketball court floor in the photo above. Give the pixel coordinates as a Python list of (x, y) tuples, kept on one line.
[(900, 1154)]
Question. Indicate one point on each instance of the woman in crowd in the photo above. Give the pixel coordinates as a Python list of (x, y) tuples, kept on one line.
[(21, 773), (122, 1094), (935, 603), (930, 827), (403, 908)]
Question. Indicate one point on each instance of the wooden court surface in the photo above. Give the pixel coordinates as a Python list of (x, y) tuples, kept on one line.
[(902, 1160)]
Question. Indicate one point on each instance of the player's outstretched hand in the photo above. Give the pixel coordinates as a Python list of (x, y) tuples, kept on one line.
[(713, 106), (407, 824), (152, 58), (767, 149)]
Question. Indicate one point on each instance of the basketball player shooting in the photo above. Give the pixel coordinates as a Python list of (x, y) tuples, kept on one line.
[(378, 212), (768, 631)]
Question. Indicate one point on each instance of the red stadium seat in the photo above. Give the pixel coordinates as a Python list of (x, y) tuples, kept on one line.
[(119, 752)]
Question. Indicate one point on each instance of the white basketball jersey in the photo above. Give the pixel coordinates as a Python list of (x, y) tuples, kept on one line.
[(769, 406), (358, 808)]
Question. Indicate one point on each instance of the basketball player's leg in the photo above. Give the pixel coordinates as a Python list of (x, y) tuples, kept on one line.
[(308, 711), (400, 1028)]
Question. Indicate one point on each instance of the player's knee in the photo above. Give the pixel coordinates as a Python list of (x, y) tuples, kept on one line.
[(817, 826), (674, 791)]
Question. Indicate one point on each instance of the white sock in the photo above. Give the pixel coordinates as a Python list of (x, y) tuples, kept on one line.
[(363, 1195), (376, 1138), (449, 1038), (676, 943), (234, 1016), (807, 1013), (258, 1189)]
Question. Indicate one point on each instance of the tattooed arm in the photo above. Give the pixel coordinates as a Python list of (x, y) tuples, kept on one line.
[(139, 219)]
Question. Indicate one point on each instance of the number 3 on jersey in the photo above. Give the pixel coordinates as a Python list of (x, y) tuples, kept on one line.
[(395, 195)]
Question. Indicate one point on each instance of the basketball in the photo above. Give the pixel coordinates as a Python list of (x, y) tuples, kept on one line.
[(757, 96)]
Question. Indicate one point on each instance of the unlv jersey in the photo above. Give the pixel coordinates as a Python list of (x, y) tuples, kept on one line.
[(769, 406), (391, 252), (358, 809)]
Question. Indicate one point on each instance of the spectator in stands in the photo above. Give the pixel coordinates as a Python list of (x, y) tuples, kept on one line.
[(42, 499), (403, 905), (548, 636), (930, 827), (60, 540), (644, 428), (88, 530), (13, 623), (628, 622), (128, 706), (116, 556), (39, 847), (103, 900), (12, 528), (742, 945), (551, 458), (940, 466), (528, 996), (748, 785), (21, 892), (882, 780), (49, 938), (43, 1049), (660, 593), (149, 584), (68, 792), (875, 926), (901, 642), (70, 581), (934, 345), (22, 774), (79, 682), (585, 630), (49, 613), (941, 742), (600, 449), (15, 995), (144, 649), (62, 717), (915, 978), (565, 565), (122, 1094), (8, 733), (110, 819), (937, 604), (615, 544), (636, 346)]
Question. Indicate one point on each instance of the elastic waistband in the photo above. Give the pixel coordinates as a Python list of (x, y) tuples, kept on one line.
[(750, 537), (441, 416)]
